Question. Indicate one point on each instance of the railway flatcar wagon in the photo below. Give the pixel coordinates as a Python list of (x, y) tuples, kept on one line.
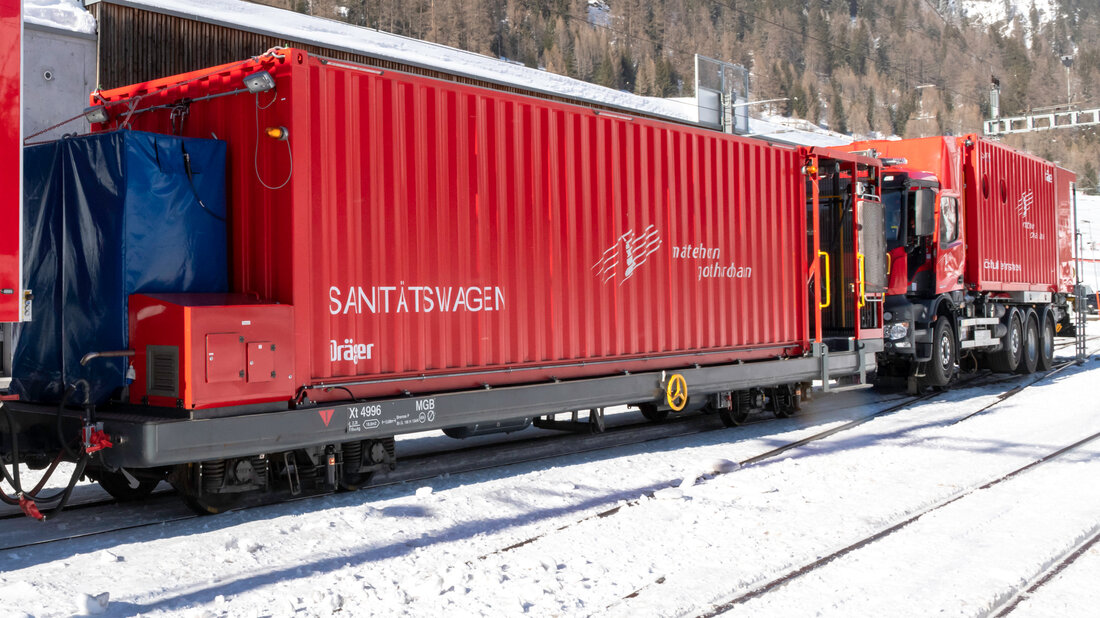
[(403, 254)]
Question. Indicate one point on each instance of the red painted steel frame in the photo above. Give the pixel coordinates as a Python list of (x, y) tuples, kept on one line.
[(438, 236), (11, 155)]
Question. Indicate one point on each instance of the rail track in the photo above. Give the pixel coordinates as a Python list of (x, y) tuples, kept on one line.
[(1032, 586), (99, 516), (812, 566)]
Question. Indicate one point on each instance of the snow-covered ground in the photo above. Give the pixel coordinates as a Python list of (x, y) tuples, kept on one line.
[(684, 540)]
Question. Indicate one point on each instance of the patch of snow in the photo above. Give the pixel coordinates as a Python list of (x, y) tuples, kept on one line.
[(599, 13), (1004, 12), (90, 605), (62, 14)]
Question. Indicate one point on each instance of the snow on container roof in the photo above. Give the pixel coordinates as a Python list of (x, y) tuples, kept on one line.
[(271, 21), (61, 14)]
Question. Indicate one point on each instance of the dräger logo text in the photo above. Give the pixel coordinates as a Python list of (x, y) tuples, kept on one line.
[(350, 351)]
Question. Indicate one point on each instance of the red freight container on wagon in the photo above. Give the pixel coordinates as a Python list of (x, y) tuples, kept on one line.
[(438, 235), (980, 242), (421, 254)]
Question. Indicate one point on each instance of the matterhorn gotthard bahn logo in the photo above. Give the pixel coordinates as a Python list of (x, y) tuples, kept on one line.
[(629, 252)]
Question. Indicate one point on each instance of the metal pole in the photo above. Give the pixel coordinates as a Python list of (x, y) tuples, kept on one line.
[(1078, 290)]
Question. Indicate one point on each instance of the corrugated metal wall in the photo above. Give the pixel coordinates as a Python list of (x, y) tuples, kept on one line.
[(1011, 215)]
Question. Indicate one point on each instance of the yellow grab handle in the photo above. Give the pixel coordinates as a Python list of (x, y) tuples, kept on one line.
[(828, 283), (862, 281)]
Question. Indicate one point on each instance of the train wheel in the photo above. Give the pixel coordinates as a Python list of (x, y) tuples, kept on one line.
[(942, 366), (355, 482), (738, 412), (652, 412), (1046, 342), (185, 480), (1029, 353), (785, 401), (116, 484), (1008, 357)]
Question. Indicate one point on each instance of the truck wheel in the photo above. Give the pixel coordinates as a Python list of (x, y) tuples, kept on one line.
[(1046, 342), (1007, 358), (1029, 353), (942, 366)]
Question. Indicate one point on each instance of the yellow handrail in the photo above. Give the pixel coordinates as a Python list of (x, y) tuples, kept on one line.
[(862, 281), (828, 282)]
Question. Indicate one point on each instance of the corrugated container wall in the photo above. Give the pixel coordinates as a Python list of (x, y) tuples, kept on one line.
[(432, 229), (1011, 218)]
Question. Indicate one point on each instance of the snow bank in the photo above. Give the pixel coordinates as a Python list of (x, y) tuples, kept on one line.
[(63, 14)]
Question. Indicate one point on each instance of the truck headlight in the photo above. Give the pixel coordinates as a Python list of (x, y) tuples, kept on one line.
[(898, 330)]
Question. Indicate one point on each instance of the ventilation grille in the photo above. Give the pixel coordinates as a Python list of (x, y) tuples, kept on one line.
[(163, 365)]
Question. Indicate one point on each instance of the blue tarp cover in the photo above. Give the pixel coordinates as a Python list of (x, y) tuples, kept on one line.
[(106, 216)]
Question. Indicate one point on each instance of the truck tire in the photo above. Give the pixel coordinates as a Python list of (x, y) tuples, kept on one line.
[(1029, 351), (1007, 358), (1046, 342), (944, 363)]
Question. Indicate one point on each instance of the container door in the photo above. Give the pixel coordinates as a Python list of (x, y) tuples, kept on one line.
[(851, 244), (871, 264)]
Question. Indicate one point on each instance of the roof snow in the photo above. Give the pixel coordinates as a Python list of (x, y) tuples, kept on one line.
[(61, 14)]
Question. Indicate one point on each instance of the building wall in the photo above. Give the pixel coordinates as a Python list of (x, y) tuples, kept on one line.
[(58, 73)]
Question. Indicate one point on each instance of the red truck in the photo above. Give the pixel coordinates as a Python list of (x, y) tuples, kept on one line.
[(979, 239)]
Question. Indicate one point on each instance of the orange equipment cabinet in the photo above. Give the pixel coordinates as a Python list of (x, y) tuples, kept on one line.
[(210, 350)]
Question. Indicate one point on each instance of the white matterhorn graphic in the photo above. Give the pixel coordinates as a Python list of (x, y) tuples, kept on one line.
[(628, 253), (1024, 205)]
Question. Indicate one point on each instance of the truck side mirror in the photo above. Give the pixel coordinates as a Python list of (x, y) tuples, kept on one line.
[(925, 219)]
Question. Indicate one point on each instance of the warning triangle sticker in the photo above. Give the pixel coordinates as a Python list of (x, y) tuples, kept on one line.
[(326, 415)]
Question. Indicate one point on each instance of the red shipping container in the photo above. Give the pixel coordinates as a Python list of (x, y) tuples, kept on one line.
[(1013, 226), (11, 153), (432, 235)]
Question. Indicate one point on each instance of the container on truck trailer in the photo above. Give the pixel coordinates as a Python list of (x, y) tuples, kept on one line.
[(979, 239)]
